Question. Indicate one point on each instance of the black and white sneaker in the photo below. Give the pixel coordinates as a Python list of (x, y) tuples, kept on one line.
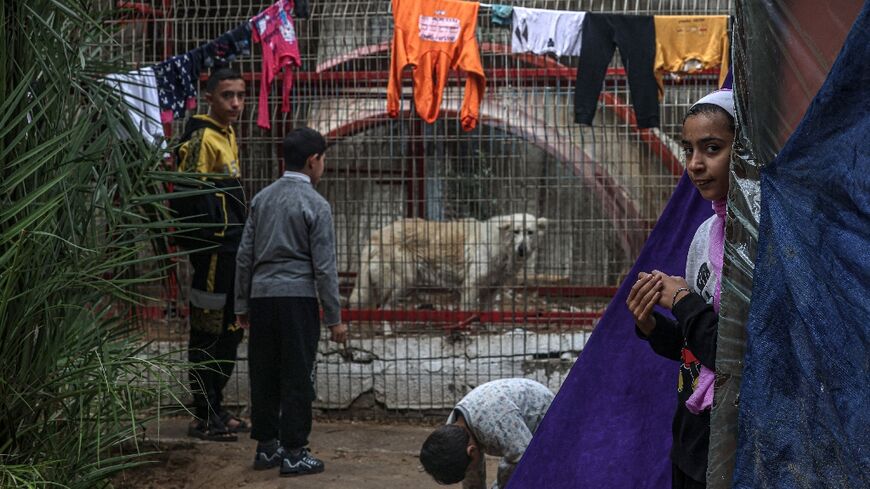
[(302, 464), (264, 460)]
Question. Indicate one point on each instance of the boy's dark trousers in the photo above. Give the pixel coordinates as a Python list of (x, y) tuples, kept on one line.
[(282, 348), (214, 336)]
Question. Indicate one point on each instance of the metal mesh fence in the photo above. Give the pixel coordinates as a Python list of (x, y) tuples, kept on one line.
[(415, 203)]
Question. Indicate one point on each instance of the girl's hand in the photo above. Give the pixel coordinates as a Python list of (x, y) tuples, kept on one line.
[(644, 294), (670, 285)]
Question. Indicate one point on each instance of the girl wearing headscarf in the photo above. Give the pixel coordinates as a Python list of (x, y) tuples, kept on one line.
[(708, 133)]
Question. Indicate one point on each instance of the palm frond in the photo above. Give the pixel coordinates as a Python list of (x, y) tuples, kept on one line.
[(82, 212)]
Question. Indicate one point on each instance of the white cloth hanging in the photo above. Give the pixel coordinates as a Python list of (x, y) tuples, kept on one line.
[(540, 31), (139, 92)]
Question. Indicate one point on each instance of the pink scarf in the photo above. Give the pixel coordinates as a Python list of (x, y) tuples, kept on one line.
[(717, 247), (702, 397)]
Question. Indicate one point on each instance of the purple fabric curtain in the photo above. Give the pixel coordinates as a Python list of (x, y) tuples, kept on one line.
[(610, 424)]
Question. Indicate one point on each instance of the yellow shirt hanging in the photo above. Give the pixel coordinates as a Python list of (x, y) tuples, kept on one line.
[(688, 43)]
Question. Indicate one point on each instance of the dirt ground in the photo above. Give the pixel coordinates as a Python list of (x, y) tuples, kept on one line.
[(358, 455)]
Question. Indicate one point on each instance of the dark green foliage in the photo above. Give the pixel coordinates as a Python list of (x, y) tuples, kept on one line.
[(82, 228)]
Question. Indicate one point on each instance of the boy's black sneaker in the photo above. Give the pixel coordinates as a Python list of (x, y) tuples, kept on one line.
[(302, 464), (264, 460)]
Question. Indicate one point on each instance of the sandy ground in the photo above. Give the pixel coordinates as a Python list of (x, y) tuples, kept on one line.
[(358, 455)]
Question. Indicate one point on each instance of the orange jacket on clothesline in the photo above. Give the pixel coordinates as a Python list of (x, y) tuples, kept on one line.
[(435, 36)]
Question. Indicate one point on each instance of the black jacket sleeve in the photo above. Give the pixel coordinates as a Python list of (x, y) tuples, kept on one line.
[(699, 325), (666, 339)]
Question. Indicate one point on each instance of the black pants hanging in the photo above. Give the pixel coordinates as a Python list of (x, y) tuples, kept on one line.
[(635, 36), (214, 338), (281, 351)]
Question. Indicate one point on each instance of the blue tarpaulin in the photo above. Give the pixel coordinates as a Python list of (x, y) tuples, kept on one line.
[(804, 416), (610, 424)]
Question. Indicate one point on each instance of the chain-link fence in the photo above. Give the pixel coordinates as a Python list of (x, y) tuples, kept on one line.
[(414, 202)]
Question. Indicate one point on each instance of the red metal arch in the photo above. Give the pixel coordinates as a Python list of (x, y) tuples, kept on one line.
[(617, 204)]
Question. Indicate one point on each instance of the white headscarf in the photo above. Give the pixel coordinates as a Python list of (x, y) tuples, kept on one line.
[(723, 98)]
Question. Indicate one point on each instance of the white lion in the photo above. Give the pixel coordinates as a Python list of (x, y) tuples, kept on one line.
[(472, 256)]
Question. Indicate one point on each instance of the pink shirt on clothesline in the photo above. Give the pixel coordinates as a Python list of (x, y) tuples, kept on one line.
[(274, 30)]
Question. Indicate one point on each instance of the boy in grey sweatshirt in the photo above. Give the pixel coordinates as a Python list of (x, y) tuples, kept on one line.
[(285, 262)]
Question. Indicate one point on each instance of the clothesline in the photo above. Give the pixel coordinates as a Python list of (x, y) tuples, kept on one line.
[(159, 94), (176, 79)]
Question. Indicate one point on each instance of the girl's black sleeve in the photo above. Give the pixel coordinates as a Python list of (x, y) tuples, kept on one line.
[(666, 339), (698, 324)]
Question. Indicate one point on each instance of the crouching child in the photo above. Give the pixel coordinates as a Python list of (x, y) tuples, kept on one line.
[(496, 418)]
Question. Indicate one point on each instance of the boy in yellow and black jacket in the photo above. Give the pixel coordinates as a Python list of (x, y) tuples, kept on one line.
[(209, 148), (212, 210)]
